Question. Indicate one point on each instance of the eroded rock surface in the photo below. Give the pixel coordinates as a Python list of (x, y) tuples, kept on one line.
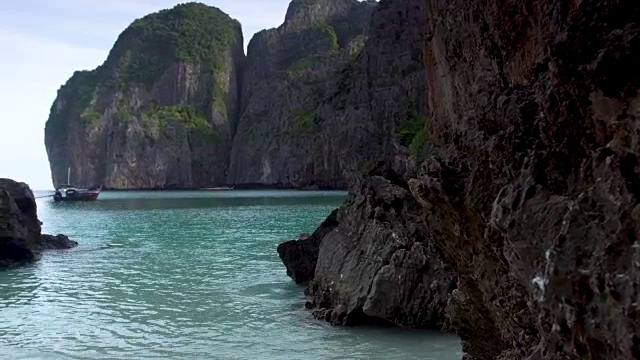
[(300, 256), (290, 71), (21, 240), (378, 265), (533, 198)]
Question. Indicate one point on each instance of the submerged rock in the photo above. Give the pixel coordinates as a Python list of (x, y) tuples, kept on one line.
[(58, 242), (20, 233)]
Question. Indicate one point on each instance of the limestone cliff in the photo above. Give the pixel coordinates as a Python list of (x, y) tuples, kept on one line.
[(378, 111), (158, 113), (290, 71), (315, 103), (533, 197), (331, 92)]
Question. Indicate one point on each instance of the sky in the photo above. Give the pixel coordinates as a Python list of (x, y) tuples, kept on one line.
[(43, 42)]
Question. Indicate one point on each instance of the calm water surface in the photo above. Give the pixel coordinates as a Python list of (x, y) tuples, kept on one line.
[(195, 275)]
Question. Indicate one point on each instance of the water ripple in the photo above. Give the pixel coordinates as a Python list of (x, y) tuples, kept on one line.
[(195, 276)]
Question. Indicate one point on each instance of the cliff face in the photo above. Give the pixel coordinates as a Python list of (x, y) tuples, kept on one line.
[(314, 105), (374, 262), (158, 113), (378, 109), (21, 240), (533, 198), (290, 71)]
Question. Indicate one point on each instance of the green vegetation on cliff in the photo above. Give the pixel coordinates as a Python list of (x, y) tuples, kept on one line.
[(415, 135), (186, 114), (330, 31), (85, 82), (195, 34), (303, 122), (192, 33), (191, 119), (90, 117)]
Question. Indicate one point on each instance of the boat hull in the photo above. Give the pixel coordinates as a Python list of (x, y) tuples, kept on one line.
[(79, 197), (74, 194)]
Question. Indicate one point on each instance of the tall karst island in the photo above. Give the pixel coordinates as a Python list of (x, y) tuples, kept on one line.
[(178, 105), (159, 112)]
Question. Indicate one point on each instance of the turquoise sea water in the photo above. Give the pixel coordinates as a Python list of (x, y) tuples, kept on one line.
[(195, 275)]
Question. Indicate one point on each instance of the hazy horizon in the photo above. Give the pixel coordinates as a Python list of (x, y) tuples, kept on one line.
[(49, 41)]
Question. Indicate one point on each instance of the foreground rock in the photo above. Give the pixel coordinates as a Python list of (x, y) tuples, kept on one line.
[(21, 240), (377, 265), (534, 199)]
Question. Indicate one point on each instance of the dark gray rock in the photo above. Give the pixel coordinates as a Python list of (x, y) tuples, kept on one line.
[(378, 110), (58, 242), (300, 256), (318, 108), (290, 71), (533, 198), (378, 266), (19, 225), (20, 233)]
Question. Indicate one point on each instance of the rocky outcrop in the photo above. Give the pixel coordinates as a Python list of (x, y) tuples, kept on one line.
[(529, 192), (159, 112), (533, 196), (21, 240), (377, 265), (300, 256)]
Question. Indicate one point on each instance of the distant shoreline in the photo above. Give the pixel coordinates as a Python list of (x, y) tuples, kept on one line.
[(224, 188)]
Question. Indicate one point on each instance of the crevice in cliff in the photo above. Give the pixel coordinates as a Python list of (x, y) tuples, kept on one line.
[(629, 169), (240, 66)]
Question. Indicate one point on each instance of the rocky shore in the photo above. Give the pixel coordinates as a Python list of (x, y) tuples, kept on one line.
[(374, 263), (21, 240), (523, 221)]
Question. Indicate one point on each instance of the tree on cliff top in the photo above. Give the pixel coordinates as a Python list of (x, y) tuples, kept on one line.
[(192, 32)]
